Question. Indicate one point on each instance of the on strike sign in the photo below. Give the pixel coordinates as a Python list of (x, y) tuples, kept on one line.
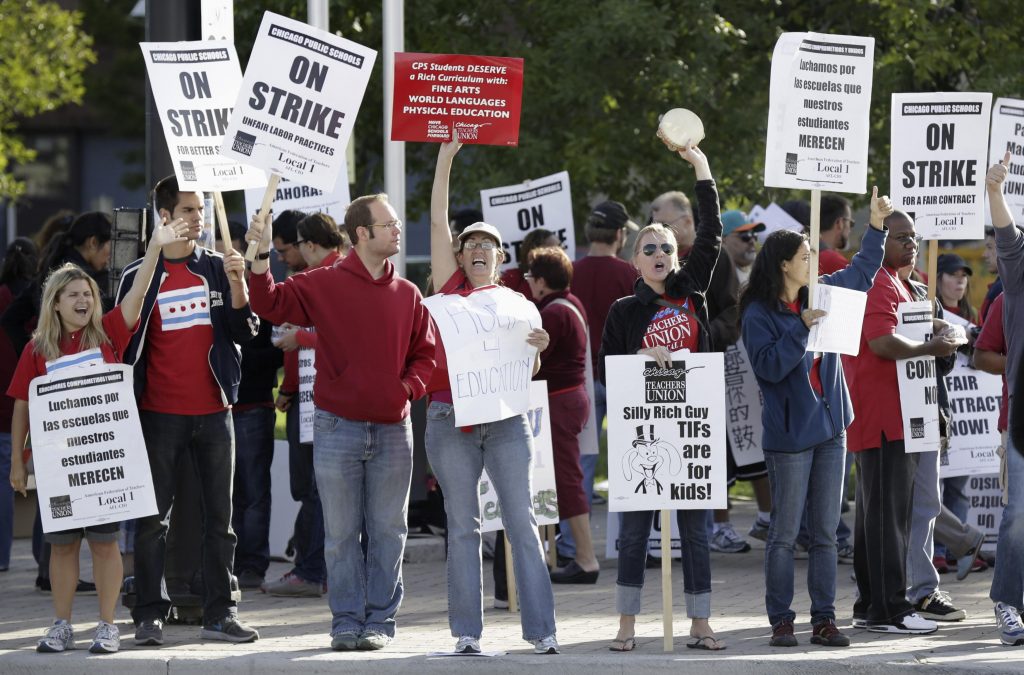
[(481, 96), (298, 102)]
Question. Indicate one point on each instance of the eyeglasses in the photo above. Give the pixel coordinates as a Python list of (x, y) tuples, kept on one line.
[(299, 242), (746, 237), (390, 225), (909, 239), (651, 249), (482, 245)]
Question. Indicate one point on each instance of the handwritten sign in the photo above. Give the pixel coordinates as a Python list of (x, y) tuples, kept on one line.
[(490, 364), (743, 397)]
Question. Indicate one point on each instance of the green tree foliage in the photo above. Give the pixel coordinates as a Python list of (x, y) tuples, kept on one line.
[(43, 53)]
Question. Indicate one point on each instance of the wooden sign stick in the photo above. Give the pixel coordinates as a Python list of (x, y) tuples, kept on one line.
[(666, 578), (268, 199), (222, 225), (812, 280)]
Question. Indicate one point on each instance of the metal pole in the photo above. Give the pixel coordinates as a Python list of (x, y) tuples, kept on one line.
[(394, 151), (317, 14)]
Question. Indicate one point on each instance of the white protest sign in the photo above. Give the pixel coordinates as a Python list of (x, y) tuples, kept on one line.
[(775, 218), (985, 508), (89, 455), (307, 375), (666, 432), (541, 203), (195, 85), (542, 483), (743, 397), (1008, 135), (611, 545), (819, 102), (490, 364), (291, 195), (218, 19), (919, 392), (839, 330), (937, 164), (298, 102)]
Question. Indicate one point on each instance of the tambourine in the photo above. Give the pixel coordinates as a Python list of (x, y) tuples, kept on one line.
[(680, 128)]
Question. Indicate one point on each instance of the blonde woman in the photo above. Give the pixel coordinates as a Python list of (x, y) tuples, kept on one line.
[(73, 332)]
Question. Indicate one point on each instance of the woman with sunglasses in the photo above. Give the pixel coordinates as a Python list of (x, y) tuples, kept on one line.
[(806, 412), (666, 313), (458, 455)]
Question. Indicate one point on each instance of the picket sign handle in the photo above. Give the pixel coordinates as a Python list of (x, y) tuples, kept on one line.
[(268, 199), (812, 279), (666, 578), (549, 536), (933, 270), (222, 224), (510, 577)]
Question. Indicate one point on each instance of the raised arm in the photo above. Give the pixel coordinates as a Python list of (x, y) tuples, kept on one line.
[(163, 234), (860, 274), (700, 264), (994, 185), (442, 260)]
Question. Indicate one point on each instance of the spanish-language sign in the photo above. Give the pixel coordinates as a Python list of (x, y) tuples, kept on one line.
[(1008, 135), (542, 485), (307, 375), (611, 545), (985, 507), (937, 162), (481, 96), (298, 102), (666, 432), (819, 102), (919, 391), (517, 209), (90, 458), (195, 85), (490, 364), (743, 397), (291, 195)]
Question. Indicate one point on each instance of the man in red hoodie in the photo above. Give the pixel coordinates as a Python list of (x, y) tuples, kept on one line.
[(374, 354)]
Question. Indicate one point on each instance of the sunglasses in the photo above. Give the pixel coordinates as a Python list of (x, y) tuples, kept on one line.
[(746, 237), (651, 249)]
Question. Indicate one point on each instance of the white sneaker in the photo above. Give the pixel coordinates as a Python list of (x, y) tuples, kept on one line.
[(727, 540), (911, 624), (107, 640), (1011, 628), (59, 637), (467, 645), (548, 645)]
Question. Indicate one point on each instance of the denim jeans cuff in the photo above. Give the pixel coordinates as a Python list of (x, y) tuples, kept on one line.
[(698, 605), (627, 599), (384, 629)]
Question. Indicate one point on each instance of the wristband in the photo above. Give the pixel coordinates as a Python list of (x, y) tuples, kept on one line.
[(263, 256)]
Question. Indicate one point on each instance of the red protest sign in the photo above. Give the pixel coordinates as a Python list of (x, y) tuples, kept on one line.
[(481, 95)]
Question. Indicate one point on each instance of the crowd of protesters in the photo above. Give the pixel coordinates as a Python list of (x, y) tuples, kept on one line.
[(701, 270)]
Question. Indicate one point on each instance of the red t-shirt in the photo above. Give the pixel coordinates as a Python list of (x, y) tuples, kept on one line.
[(992, 339), (815, 374), (32, 364), (673, 328), (598, 281), (831, 261), (874, 389), (179, 380)]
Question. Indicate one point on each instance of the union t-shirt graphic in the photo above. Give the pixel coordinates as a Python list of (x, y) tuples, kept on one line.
[(673, 328), (184, 308)]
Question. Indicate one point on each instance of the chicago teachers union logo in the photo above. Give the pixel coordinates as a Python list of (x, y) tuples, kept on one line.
[(665, 385), (60, 507)]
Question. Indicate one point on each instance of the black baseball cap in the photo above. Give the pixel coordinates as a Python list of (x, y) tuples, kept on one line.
[(611, 215)]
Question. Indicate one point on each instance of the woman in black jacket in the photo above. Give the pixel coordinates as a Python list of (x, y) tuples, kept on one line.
[(666, 313)]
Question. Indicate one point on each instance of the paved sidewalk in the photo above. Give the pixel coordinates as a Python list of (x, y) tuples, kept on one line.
[(294, 632)]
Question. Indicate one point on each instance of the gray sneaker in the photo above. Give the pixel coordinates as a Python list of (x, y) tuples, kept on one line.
[(372, 640), (548, 645), (107, 640), (467, 645), (149, 633), (229, 629), (59, 637), (294, 586), (346, 641), (726, 540), (845, 555), (759, 530)]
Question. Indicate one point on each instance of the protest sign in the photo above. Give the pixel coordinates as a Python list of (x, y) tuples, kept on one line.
[(774, 218), (974, 398), (307, 375), (985, 507), (481, 96), (290, 195), (90, 458), (919, 392), (666, 432), (937, 166), (819, 102), (1008, 136), (545, 498), (611, 546), (839, 330), (490, 364), (298, 102), (517, 209), (743, 397), (195, 85)]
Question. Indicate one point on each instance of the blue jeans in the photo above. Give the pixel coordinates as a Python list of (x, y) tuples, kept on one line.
[(254, 453), (505, 449), (635, 532), (811, 482), (1008, 577), (6, 502), (173, 441), (843, 531), (363, 470), (309, 521)]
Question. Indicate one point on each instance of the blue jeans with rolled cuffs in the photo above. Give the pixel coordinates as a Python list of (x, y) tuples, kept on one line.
[(363, 470), (1008, 576), (634, 533), (505, 449), (809, 482)]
